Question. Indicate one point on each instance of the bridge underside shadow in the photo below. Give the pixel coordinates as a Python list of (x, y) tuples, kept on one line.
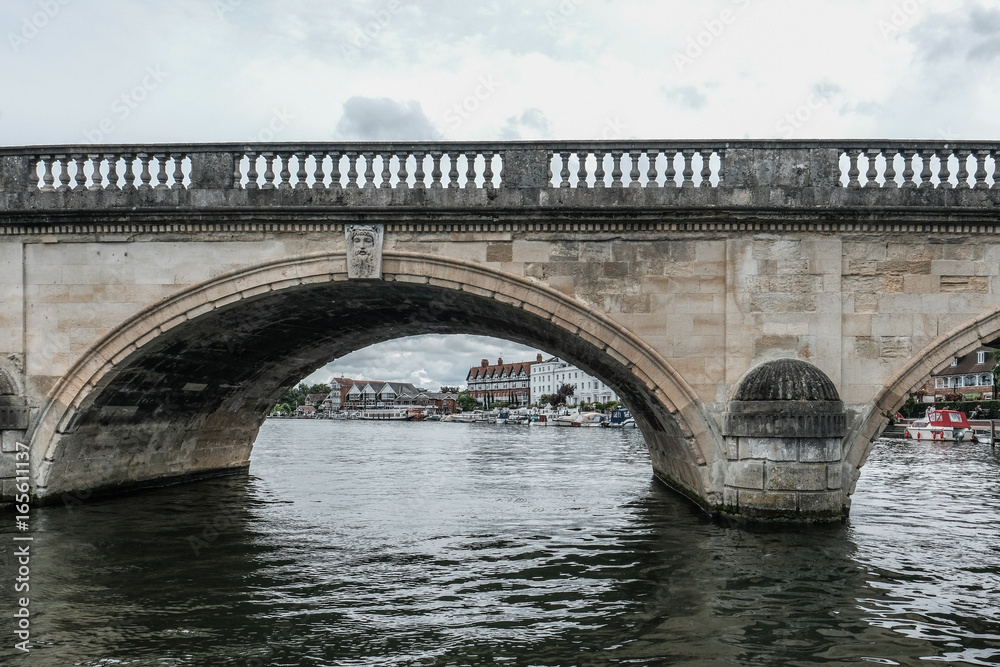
[(190, 400)]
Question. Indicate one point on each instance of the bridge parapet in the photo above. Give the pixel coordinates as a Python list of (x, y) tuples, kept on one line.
[(685, 178)]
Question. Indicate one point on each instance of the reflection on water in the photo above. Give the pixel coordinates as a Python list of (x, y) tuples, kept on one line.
[(359, 543)]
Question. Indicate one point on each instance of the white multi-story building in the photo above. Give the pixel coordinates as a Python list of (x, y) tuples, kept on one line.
[(547, 376)]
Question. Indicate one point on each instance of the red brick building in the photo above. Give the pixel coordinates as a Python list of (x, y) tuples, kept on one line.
[(507, 383)]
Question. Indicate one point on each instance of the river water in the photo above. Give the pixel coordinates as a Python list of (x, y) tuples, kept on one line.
[(362, 543)]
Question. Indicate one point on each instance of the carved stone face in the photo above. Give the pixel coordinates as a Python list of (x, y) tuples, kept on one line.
[(364, 251), (363, 243)]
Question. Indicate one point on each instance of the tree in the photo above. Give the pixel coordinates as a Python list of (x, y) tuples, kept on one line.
[(466, 401), (448, 390), (543, 400), (319, 389), (559, 398)]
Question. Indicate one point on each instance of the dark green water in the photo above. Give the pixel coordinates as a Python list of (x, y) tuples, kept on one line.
[(360, 543)]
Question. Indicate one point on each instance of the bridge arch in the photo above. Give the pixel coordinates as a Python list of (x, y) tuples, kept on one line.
[(182, 387), (961, 340)]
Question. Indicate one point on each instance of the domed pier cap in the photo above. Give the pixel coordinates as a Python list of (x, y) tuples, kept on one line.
[(786, 398)]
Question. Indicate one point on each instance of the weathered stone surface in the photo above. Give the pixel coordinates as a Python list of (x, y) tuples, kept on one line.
[(795, 476), (113, 300)]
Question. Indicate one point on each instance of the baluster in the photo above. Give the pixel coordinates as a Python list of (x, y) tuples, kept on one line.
[(452, 168), (419, 174), (963, 168), (599, 171), (634, 174), (112, 171), (564, 172), (853, 172), (995, 154), (980, 183), (944, 176), (300, 173), (269, 159), (178, 170), (909, 175), (352, 170), (145, 176), (335, 176), (548, 160), (581, 172), (616, 168), (488, 170), (436, 169), (285, 177), (369, 170), (97, 176), (252, 171), (319, 175), (81, 177), (872, 173), (890, 167), (470, 169), (670, 175), (651, 172), (402, 175), (386, 175), (47, 177), (925, 172), (161, 171), (688, 168), (129, 171), (64, 179), (706, 168)]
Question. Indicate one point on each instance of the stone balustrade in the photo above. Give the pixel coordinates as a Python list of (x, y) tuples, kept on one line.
[(920, 165), (746, 177)]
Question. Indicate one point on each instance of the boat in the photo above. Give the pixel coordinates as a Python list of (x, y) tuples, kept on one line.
[(580, 419), (386, 414), (620, 418), (944, 425), (540, 420)]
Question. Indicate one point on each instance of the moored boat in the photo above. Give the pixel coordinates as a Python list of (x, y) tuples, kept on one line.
[(945, 425), (580, 419), (386, 414)]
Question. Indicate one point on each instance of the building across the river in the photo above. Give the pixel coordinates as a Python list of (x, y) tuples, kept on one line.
[(348, 394), (500, 382), (547, 376), (971, 376)]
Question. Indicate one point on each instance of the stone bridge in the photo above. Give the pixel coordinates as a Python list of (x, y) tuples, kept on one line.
[(761, 306)]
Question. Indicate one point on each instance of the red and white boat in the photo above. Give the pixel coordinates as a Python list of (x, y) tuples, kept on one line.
[(941, 425)]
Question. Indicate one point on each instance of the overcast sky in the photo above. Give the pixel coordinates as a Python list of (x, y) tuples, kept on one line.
[(119, 71)]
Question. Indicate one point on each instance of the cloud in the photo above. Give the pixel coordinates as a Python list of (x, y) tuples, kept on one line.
[(430, 361), (532, 124), (383, 119), (687, 96), (971, 35)]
